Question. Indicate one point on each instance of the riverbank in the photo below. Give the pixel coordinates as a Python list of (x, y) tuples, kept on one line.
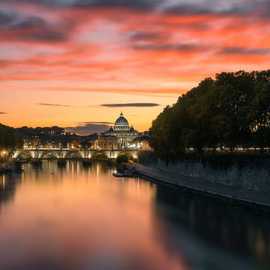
[(201, 185)]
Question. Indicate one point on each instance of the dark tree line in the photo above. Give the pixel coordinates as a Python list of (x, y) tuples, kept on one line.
[(232, 110), (7, 137)]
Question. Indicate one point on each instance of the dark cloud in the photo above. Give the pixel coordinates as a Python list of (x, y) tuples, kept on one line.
[(89, 128), (3, 113), (48, 36), (30, 22), (32, 27), (53, 105), (225, 7), (38, 29), (5, 18), (245, 51), (145, 36), (193, 9), (120, 105), (167, 47), (192, 26), (174, 6), (138, 4)]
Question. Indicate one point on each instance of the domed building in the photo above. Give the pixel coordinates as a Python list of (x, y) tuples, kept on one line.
[(121, 136), (121, 124)]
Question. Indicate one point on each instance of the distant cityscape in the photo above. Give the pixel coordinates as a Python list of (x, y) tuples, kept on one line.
[(121, 136)]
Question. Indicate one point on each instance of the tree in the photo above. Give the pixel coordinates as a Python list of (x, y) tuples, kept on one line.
[(231, 110), (7, 137), (122, 158)]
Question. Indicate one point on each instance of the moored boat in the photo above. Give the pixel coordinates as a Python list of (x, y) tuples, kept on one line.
[(124, 173)]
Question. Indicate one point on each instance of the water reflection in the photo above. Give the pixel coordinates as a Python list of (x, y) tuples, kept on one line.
[(238, 230), (8, 186), (79, 217)]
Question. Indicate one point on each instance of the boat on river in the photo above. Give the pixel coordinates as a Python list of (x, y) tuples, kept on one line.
[(123, 174), (124, 171)]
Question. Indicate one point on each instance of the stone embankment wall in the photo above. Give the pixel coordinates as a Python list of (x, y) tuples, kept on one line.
[(251, 176), (215, 183)]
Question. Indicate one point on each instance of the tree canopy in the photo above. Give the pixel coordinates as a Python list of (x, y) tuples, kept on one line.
[(232, 110), (7, 137)]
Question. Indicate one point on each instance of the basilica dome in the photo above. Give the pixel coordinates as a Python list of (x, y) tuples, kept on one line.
[(121, 123)]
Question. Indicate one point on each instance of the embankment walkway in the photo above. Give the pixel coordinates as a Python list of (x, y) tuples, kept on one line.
[(255, 198)]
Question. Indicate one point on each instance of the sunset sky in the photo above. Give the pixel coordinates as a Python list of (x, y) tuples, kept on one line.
[(73, 62)]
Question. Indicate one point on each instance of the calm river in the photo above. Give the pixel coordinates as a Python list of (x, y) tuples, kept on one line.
[(76, 218)]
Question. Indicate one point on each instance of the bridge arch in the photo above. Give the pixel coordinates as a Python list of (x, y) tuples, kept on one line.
[(49, 155), (23, 155), (73, 154)]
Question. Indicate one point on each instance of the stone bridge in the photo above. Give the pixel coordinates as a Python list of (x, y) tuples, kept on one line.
[(68, 153)]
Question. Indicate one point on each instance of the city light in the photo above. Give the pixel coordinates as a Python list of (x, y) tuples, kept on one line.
[(4, 153)]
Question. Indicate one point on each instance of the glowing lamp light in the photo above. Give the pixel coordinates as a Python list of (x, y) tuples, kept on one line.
[(4, 153)]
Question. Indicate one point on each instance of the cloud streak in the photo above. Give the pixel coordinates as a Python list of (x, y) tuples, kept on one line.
[(53, 105), (245, 51), (122, 105), (168, 47), (89, 128)]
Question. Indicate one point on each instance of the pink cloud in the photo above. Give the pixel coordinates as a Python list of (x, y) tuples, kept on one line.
[(108, 48)]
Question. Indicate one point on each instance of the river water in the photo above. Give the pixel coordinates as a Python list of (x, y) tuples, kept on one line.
[(84, 218)]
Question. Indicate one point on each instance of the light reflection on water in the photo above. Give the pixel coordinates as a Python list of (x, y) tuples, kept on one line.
[(84, 218)]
